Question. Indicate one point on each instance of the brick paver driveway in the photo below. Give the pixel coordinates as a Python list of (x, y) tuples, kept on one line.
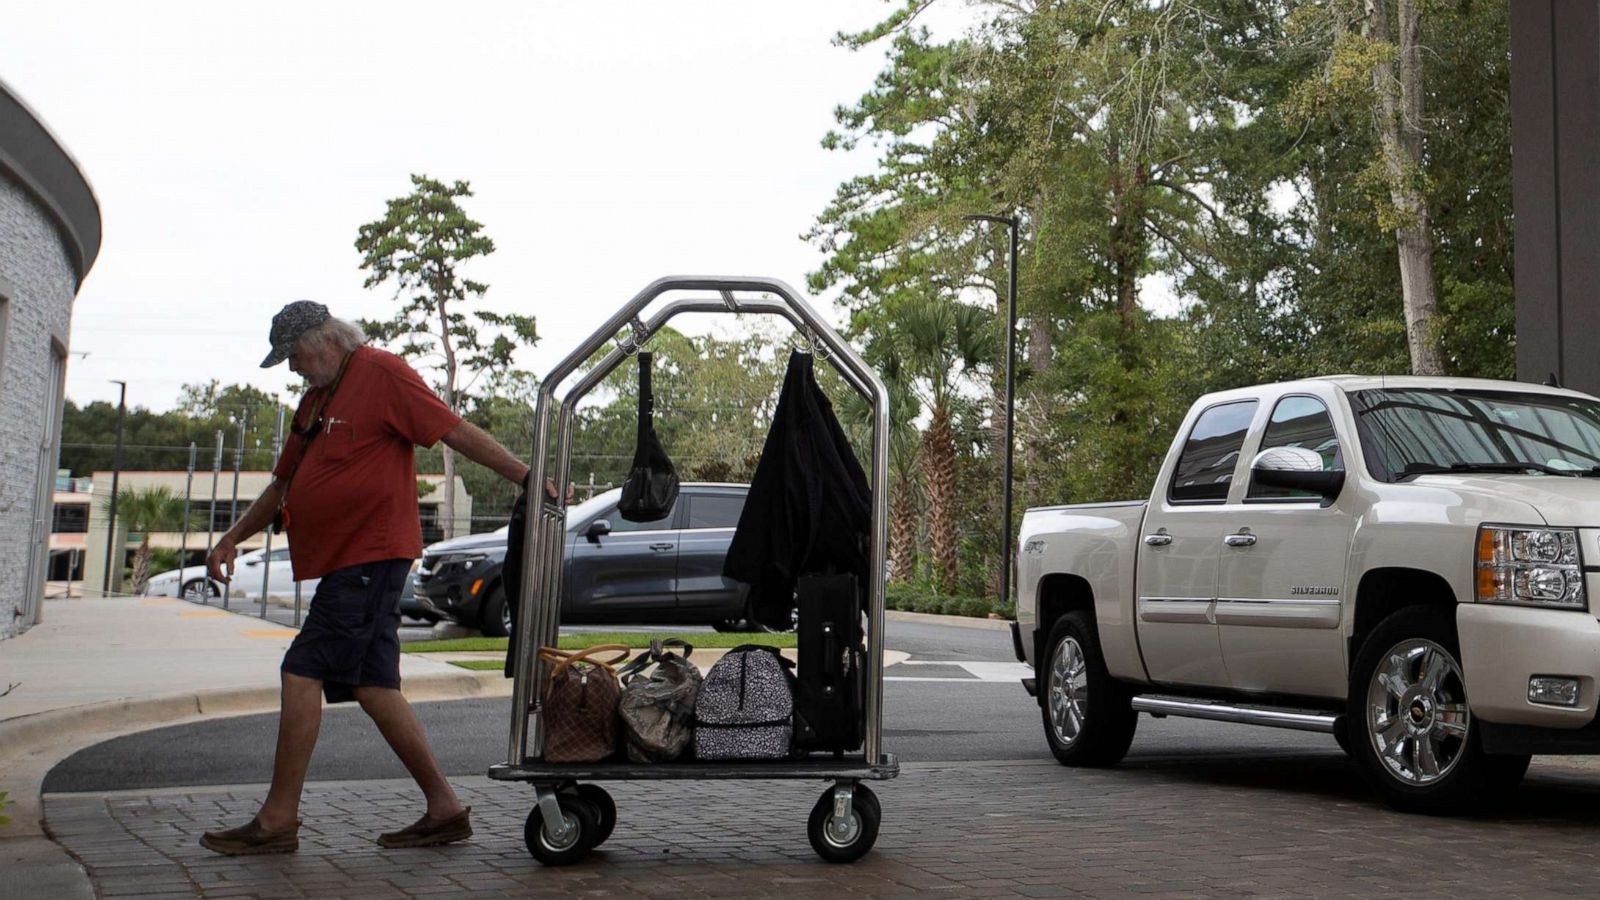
[(1295, 824)]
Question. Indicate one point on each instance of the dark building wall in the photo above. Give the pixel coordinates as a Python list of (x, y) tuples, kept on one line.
[(1555, 124)]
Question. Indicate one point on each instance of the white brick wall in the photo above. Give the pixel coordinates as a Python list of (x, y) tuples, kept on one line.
[(37, 280)]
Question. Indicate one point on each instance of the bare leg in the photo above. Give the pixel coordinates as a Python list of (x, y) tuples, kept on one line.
[(399, 726), (298, 724)]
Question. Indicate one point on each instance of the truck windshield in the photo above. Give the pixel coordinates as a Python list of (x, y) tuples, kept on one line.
[(1410, 432)]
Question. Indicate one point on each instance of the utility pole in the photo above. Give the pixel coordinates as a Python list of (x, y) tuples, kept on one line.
[(116, 474), (1011, 404), (232, 508), (211, 517), (183, 543), (266, 556)]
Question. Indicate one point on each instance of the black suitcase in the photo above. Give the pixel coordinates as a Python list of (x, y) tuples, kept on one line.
[(830, 688)]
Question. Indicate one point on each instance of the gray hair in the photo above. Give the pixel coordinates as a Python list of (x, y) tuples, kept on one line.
[(334, 332)]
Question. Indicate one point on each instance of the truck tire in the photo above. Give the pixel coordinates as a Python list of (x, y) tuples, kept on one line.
[(1409, 722), (1088, 715)]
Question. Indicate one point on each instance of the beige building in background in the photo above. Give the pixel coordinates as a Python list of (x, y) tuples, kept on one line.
[(202, 506)]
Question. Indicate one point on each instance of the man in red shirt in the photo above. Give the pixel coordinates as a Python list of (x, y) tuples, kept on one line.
[(345, 486)]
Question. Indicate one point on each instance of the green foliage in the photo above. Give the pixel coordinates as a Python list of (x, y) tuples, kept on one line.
[(4, 802), (921, 598), (160, 441), (163, 559), (143, 510), (420, 245), (714, 400), (1217, 152)]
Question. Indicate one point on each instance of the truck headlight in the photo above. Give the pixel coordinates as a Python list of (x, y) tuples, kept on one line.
[(1540, 566)]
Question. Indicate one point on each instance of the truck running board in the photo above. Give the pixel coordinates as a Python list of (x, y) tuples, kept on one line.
[(1300, 720)]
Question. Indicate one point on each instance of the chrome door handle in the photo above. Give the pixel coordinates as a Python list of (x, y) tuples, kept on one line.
[(660, 546), (1242, 539), (1157, 540)]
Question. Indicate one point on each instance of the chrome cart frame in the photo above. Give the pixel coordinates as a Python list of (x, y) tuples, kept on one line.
[(562, 807)]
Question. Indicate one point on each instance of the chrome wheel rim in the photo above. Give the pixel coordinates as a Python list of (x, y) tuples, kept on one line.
[(1068, 691), (842, 836), (197, 590), (574, 832), (1417, 714)]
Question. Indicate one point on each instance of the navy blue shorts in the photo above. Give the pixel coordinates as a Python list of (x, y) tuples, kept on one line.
[(351, 636)]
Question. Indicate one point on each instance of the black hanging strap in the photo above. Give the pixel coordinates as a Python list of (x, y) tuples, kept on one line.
[(652, 485)]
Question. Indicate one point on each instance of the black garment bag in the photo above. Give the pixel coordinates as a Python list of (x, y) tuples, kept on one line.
[(652, 485), (809, 507), (511, 570)]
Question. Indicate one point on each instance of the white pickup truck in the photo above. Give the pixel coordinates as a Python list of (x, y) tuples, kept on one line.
[(1405, 563)]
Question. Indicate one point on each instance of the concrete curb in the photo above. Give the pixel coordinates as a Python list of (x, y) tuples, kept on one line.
[(26, 734), (895, 615)]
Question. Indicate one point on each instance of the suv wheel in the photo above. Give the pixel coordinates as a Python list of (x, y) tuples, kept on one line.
[(1088, 715), (494, 614), (1409, 721)]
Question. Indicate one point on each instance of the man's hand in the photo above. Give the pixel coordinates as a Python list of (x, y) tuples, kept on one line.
[(550, 489), (220, 558)]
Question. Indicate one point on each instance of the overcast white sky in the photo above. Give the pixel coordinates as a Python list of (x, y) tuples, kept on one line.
[(235, 150)]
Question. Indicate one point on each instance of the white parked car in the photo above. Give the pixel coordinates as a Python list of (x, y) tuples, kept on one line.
[(193, 583)]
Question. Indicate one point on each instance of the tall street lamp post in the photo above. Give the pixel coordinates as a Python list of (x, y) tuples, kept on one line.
[(116, 474), (1011, 402)]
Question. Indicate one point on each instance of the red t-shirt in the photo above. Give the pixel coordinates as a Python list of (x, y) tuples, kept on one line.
[(354, 498)]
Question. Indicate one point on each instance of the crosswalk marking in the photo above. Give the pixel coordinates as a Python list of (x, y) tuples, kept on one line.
[(980, 671)]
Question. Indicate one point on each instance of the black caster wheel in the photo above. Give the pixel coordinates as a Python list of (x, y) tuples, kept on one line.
[(582, 824), (850, 841), (605, 807)]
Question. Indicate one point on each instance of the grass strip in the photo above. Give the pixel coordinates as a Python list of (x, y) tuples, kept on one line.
[(631, 639), (481, 665)]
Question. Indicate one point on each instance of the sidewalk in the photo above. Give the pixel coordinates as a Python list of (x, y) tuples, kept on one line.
[(97, 668)]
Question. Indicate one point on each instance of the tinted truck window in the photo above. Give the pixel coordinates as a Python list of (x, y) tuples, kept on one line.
[(1205, 467), (1299, 422)]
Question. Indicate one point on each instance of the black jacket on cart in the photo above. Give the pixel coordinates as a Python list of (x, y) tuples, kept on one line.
[(809, 507)]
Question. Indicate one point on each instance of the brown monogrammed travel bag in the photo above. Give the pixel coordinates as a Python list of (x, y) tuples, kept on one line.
[(580, 703)]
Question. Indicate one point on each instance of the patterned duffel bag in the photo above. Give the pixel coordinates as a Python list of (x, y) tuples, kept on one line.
[(746, 706)]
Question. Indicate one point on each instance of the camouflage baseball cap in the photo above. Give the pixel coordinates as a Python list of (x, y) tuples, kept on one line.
[(293, 320)]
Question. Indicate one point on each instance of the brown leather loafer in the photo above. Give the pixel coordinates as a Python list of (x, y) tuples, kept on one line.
[(425, 832), (252, 839)]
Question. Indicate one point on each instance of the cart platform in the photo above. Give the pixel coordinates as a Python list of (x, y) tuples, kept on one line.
[(848, 768)]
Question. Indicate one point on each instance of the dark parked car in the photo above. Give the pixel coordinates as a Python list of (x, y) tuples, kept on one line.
[(664, 572), (410, 606)]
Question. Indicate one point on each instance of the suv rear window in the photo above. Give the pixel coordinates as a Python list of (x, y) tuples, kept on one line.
[(1205, 467), (715, 510)]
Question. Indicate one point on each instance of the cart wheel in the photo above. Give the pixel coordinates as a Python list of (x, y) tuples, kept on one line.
[(856, 837), (582, 821), (605, 808)]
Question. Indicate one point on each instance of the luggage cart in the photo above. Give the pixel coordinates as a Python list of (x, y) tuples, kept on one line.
[(572, 815)]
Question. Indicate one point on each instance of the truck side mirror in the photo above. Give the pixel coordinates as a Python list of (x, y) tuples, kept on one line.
[(1296, 469), (597, 529)]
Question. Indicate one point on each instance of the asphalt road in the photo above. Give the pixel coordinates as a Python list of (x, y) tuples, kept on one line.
[(956, 699)]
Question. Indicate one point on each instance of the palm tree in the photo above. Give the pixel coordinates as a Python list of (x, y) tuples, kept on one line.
[(928, 346), (144, 510), (905, 489)]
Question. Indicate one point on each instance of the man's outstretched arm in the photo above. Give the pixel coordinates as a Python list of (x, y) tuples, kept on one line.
[(477, 445)]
